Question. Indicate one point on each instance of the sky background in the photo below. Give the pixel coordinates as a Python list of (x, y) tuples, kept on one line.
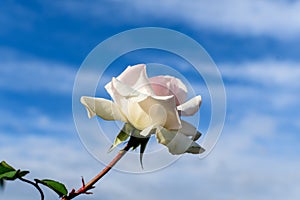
[(255, 44)]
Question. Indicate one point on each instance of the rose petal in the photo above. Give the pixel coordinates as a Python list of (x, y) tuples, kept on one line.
[(137, 116), (195, 149), (147, 131), (121, 92), (103, 108), (123, 89), (190, 107), (162, 111), (168, 85), (189, 130), (177, 142), (134, 77), (128, 98)]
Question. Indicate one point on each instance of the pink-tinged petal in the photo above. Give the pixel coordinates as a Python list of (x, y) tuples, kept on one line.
[(190, 107), (177, 142), (123, 89), (134, 77), (168, 85), (104, 108), (162, 110)]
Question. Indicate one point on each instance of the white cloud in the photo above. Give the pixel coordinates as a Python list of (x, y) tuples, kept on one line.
[(244, 164), (269, 73), (269, 84), (278, 19), (36, 76), (247, 17), (23, 73), (238, 168), (32, 121)]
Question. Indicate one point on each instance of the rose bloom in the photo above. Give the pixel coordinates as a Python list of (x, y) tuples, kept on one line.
[(151, 106)]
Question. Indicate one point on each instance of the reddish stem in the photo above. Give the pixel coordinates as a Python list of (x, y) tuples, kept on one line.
[(90, 185)]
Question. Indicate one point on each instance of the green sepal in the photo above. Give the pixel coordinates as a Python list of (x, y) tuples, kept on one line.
[(134, 142), (143, 143), (122, 136), (57, 187)]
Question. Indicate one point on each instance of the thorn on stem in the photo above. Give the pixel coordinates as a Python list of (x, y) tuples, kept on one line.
[(88, 193), (72, 191), (82, 181)]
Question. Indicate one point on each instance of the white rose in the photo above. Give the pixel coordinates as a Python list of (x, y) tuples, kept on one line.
[(150, 105)]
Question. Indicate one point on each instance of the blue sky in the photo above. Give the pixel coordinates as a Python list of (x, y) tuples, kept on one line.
[(255, 44)]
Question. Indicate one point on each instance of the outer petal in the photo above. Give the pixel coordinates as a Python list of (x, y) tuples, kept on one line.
[(177, 142), (168, 85), (103, 108), (162, 111), (189, 130), (190, 107), (147, 131), (134, 77), (195, 149)]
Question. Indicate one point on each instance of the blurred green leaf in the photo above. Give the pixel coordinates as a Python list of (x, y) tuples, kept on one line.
[(4, 167), (12, 175), (57, 187), (23, 173), (7, 172)]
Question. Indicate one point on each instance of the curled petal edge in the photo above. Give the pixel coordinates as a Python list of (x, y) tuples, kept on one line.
[(177, 143), (190, 107), (103, 108)]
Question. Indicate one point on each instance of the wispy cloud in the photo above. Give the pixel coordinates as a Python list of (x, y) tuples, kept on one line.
[(239, 167), (244, 165), (272, 18), (267, 73), (268, 84), (36, 76), (279, 19)]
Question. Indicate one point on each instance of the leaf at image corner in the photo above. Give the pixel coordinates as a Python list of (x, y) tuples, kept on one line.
[(57, 187), (11, 175), (4, 167)]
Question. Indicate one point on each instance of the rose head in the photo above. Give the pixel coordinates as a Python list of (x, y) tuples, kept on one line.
[(150, 106)]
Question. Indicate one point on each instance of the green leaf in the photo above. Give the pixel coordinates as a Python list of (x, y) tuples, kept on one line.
[(121, 137), (4, 167), (12, 175), (57, 187), (23, 173), (7, 172)]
